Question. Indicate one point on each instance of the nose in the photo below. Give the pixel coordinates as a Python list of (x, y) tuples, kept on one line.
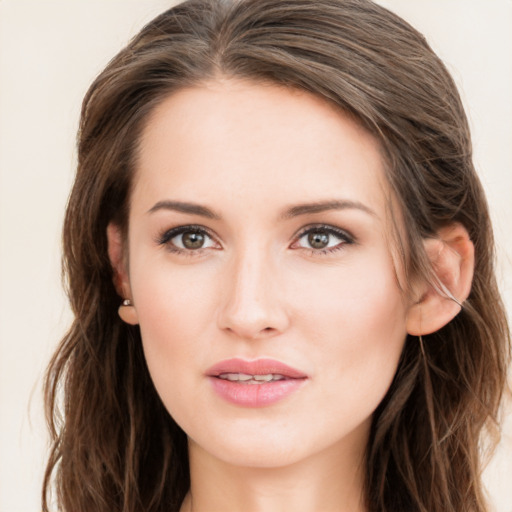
[(253, 303)]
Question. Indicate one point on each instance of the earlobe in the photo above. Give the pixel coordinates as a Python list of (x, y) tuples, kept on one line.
[(452, 258), (127, 311)]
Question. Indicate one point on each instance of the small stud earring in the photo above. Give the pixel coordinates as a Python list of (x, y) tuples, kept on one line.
[(127, 312)]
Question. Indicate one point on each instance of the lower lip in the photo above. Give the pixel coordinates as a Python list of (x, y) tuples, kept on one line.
[(255, 395)]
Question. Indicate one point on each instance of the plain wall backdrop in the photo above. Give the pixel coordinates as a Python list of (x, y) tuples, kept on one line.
[(49, 53)]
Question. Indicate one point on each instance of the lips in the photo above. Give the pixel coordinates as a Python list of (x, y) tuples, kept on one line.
[(256, 367), (257, 383)]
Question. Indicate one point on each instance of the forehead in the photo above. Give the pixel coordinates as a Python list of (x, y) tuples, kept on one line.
[(250, 142)]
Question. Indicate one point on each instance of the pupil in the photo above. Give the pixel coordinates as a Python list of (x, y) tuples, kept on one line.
[(318, 240), (193, 240)]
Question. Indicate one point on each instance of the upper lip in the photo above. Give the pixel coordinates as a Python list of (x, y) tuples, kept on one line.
[(255, 367)]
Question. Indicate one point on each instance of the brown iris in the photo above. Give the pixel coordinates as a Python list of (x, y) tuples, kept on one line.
[(192, 240), (318, 239)]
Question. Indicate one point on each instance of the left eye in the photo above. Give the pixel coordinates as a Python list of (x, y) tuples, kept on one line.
[(322, 238)]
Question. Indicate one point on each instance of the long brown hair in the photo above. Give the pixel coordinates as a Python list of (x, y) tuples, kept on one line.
[(115, 447)]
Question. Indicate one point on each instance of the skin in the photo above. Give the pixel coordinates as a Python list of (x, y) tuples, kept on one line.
[(257, 288)]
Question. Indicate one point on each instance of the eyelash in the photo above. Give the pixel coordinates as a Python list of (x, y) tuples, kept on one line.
[(345, 237)]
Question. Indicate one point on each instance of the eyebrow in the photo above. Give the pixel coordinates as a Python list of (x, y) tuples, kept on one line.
[(289, 212), (183, 207), (324, 206)]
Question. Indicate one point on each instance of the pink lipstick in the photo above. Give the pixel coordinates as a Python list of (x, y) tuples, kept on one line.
[(254, 383)]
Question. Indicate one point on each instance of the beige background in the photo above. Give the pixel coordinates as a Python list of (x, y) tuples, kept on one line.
[(49, 53)]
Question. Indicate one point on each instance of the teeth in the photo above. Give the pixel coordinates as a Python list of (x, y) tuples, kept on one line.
[(241, 376), (265, 378), (244, 377), (236, 376)]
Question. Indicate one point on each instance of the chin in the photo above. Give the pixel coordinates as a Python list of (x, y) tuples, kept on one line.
[(258, 454), (276, 445)]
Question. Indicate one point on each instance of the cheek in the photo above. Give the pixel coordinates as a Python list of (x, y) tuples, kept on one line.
[(174, 307), (357, 321), (176, 311), (354, 299)]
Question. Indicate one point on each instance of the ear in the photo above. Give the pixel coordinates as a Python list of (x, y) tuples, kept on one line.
[(452, 256), (116, 254)]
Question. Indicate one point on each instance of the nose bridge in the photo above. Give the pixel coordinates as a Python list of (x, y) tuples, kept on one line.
[(252, 305)]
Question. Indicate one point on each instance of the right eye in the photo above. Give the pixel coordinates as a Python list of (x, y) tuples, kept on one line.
[(187, 239)]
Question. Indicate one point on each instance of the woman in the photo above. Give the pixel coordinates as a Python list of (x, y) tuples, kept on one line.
[(280, 262)]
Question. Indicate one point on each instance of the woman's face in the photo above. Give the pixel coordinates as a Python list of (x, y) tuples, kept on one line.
[(259, 237)]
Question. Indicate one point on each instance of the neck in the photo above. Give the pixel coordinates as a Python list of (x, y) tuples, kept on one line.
[(329, 481)]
